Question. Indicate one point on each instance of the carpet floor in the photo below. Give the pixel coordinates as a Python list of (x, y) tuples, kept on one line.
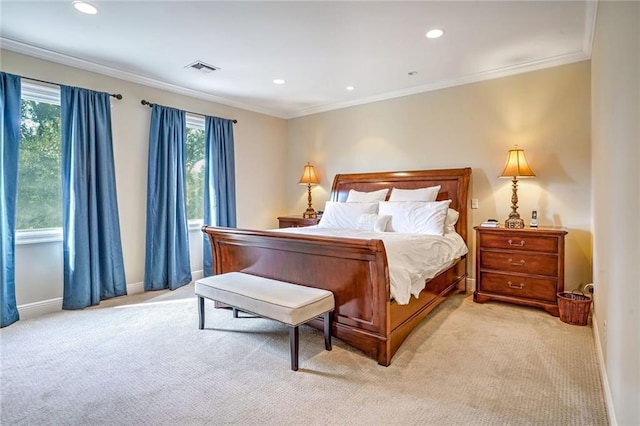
[(142, 360)]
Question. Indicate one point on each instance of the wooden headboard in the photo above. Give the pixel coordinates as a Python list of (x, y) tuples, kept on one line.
[(454, 186)]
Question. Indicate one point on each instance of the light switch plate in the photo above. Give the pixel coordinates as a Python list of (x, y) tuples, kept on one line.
[(474, 203)]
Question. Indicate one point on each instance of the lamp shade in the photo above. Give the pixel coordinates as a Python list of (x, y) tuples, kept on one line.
[(309, 176), (517, 165)]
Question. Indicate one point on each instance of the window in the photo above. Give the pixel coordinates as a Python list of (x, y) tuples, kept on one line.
[(39, 199), (194, 171)]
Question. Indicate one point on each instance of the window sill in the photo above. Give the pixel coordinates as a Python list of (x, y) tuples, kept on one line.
[(38, 236), (195, 225), (54, 235)]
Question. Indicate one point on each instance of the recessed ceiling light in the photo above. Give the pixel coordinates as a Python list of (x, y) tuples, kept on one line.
[(435, 33), (350, 88), (278, 81), (85, 7)]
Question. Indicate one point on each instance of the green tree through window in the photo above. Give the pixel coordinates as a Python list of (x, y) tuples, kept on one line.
[(39, 203), (194, 173)]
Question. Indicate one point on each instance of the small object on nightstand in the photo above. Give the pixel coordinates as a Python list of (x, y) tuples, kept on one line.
[(490, 223), (534, 219)]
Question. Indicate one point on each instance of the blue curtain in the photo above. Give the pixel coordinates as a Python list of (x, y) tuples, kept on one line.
[(219, 181), (167, 263), (93, 264), (10, 134)]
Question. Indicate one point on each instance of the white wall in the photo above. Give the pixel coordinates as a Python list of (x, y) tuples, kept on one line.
[(545, 112), (616, 202), (260, 148)]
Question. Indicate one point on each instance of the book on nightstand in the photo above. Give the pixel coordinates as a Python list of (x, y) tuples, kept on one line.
[(490, 224)]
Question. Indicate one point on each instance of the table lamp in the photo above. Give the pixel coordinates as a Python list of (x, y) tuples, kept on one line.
[(309, 178), (516, 167)]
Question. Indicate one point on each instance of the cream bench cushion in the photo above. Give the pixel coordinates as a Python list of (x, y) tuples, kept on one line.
[(285, 302), (288, 303)]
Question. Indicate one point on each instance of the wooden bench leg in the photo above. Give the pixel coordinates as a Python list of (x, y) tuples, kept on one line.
[(201, 312), (327, 330), (293, 343)]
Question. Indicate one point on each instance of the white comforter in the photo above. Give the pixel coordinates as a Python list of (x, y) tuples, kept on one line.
[(412, 258)]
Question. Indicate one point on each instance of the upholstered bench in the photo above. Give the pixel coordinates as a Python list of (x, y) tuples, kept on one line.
[(288, 303)]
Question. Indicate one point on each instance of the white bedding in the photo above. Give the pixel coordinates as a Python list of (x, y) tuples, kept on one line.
[(412, 258)]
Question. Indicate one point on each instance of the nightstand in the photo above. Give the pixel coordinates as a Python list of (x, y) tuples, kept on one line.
[(296, 221), (522, 266)]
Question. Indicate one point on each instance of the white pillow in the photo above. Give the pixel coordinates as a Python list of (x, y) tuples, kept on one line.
[(450, 221), (373, 222), (344, 215), (416, 217), (366, 197), (420, 194)]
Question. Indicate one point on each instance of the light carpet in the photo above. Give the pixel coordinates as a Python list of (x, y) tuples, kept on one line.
[(141, 360)]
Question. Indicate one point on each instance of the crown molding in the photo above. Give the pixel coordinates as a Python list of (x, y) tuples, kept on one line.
[(473, 78), (59, 58), (591, 11)]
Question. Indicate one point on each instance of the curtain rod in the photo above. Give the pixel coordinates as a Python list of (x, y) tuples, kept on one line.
[(145, 102), (118, 96)]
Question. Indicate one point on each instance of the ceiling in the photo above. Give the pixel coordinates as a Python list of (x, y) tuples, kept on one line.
[(318, 47)]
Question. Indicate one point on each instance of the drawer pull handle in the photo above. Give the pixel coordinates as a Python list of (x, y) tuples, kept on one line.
[(518, 245), (518, 287), (512, 263)]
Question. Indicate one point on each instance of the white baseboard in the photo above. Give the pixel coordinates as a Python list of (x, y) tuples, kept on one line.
[(135, 288), (471, 285), (43, 307), (603, 373), (196, 275)]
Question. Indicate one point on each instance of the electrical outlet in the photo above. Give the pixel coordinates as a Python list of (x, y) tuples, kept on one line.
[(474, 203)]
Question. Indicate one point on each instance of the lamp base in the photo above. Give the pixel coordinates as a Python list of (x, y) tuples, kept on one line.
[(310, 214), (514, 223)]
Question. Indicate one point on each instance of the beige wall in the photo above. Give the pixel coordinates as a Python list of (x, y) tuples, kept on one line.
[(260, 149), (545, 112), (616, 202)]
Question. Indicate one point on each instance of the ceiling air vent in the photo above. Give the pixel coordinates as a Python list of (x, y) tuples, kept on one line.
[(202, 67)]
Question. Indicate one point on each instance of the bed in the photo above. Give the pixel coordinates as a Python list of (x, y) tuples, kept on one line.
[(355, 270)]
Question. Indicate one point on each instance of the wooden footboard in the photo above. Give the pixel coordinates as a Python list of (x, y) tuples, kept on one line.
[(354, 270)]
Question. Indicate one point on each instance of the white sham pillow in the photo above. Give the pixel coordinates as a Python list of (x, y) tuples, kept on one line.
[(373, 222), (450, 221), (420, 194), (344, 215), (366, 197), (416, 217)]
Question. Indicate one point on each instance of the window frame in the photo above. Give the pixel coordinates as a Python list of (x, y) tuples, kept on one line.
[(48, 93), (195, 121)]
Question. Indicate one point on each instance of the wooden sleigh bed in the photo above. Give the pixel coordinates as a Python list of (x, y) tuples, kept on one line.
[(355, 270)]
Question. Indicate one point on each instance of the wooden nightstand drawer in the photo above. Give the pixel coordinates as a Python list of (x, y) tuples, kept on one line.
[(520, 262), (520, 286), (519, 241)]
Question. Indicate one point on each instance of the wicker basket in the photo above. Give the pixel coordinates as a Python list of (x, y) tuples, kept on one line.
[(574, 308)]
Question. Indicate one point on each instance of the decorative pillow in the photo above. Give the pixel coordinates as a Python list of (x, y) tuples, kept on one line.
[(421, 194), (373, 222), (451, 220), (344, 215), (416, 217), (366, 197)]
